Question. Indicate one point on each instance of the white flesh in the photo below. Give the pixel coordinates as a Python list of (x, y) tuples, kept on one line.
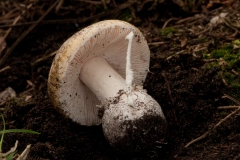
[(102, 79)]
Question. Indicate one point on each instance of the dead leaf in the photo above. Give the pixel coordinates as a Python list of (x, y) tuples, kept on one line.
[(183, 42)]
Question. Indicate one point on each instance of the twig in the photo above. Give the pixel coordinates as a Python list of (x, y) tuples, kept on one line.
[(24, 154), (229, 24), (231, 98), (185, 20), (9, 15), (210, 60), (5, 68), (44, 58), (228, 107), (91, 2), (234, 72), (59, 5), (203, 31), (4, 58), (224, 82), (175, 54), (13, 149), (199, 49), (157, 43), (104, 4), (219, 123), (169, 20)]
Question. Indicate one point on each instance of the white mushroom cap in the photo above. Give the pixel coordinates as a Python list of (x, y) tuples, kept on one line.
[(104, 39)]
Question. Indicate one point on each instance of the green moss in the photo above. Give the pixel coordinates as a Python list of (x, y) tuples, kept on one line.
[(167, 31), (206, 56), (218, 53), (212, 65), (227, 59), (230, 56), (236, 85), (231, 79), (237, 42)]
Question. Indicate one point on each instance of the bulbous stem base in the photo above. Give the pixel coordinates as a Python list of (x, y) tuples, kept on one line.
[(133, 129)]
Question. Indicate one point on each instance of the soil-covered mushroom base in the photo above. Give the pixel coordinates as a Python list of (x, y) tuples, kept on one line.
[(134, 128)]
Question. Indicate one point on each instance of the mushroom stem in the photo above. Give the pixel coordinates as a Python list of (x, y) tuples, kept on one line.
[(129, 72), (102, 79)]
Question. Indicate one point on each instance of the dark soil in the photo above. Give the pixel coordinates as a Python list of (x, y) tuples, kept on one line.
[(188, 92)]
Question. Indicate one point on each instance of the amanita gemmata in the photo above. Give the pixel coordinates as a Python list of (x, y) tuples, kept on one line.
[(97, 77)]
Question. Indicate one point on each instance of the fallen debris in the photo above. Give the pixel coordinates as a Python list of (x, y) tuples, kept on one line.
[(6, 94)]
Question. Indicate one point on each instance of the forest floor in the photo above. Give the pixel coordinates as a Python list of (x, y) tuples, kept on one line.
[(194, 75)]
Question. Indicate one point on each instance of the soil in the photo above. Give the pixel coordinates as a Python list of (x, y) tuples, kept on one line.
[(188, 91)]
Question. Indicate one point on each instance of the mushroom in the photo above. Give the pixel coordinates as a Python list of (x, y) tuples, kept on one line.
[(87, 83)]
